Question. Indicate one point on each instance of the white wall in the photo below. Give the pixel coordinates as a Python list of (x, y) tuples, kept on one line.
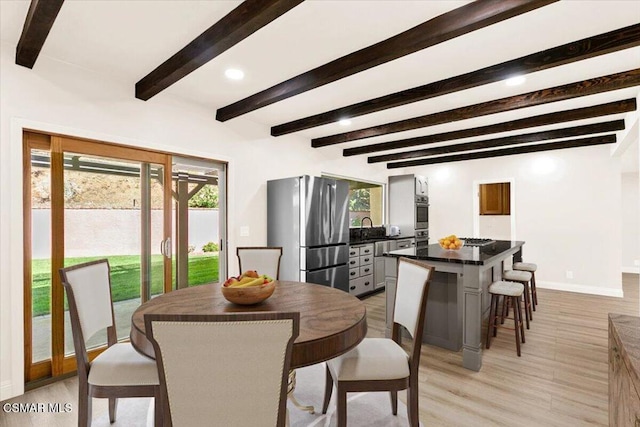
[(630, 223), (495, 226), (567, 210), (89, 237), (65, 99)]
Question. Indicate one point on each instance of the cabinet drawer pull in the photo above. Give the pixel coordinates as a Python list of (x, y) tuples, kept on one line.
[(367, 259), (352, 288), (352, 262), (366, 270), (367, 283), (353, 273)]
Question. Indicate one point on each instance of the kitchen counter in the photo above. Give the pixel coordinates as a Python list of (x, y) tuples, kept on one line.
[(378, 239), (458, 298), (475, 255)]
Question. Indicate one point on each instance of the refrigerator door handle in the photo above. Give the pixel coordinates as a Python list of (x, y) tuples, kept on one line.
[(332, 207), (326, 210)]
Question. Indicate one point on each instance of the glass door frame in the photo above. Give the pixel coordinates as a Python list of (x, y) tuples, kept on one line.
[(57, 146), (182, 197)]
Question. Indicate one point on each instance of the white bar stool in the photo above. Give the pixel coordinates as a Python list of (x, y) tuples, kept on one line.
[(531, 268), (522, 277), (510, 291)]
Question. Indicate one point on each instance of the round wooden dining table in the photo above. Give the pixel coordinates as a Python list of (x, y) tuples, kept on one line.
[(331, 321)]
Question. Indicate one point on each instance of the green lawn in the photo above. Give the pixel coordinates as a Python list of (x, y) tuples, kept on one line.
[(125, 276)]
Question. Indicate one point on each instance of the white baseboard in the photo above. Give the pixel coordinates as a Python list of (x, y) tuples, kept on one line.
[(6, 390), (582, 289), (632, 270)]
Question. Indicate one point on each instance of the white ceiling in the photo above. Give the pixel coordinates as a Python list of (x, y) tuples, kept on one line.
[(125, 40)]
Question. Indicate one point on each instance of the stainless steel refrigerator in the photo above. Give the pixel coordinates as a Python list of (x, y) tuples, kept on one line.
[(308, 216)]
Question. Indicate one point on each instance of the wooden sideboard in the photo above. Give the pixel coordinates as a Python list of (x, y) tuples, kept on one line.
[(624, 367)]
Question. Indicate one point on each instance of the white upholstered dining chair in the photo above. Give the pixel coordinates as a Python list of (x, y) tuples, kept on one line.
[(224, 369), (119, 371), (263, 259), (381, 364)]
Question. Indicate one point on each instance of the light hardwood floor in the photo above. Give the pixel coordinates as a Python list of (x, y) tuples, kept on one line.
[(560, 380)]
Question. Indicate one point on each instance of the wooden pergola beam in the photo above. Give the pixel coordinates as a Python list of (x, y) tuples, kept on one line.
[(240, 23), (573, 143), (544, 96), (610, 108), (40, 18), (590, 47), (460, 21)]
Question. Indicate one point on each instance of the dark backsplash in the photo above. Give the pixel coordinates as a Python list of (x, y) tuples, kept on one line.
[(364, 233)]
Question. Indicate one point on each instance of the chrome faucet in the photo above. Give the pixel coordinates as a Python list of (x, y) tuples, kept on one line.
[(362, 222)]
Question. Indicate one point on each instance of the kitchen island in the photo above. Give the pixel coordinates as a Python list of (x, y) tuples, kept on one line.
[(458, 298)]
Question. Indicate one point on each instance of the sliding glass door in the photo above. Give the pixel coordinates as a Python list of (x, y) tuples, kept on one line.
[(198, 202), (87, 201), (159, 220)]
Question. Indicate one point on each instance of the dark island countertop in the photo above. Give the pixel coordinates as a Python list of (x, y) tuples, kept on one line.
[(476, 255)]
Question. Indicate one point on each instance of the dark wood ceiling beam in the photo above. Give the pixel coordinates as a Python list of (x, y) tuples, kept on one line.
[(544, 96), (602, 44), (460, 21), (40, 18), (237, 25), (616, 107), (572, 143), (592, 129)]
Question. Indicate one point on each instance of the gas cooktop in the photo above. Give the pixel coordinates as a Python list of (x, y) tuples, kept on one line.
[(475, 241)]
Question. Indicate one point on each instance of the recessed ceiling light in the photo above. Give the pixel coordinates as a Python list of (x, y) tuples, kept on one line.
[(515, 81), (344, 122), (234, 74)]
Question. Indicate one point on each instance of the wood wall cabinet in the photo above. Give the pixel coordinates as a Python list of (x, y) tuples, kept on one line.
[(495, 199), (624, 361)]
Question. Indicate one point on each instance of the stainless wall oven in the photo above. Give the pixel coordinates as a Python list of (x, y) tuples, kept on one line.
[(422, 213), (422, 239)]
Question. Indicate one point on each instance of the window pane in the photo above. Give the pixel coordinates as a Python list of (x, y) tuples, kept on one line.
[(41, 255)]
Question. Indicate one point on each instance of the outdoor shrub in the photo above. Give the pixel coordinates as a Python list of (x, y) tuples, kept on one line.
[(210, 247)]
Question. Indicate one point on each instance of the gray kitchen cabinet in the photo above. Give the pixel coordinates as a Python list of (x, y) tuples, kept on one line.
[(379, 261), (361, 268), (378, 272)]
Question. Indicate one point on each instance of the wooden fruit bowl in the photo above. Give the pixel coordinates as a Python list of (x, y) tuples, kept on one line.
[(249, 295)]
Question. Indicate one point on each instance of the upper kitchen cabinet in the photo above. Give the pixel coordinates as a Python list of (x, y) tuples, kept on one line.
[(421, 185), (495, 199)]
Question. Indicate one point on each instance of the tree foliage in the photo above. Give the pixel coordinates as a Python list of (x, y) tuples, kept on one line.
[(207, 197), (359, 199)]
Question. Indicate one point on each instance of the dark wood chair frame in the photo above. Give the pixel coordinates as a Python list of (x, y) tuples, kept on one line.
[(409, 383), (528, 301), (88, 391), (232, 317), (238, 249), (534, 292), (493, 324)]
